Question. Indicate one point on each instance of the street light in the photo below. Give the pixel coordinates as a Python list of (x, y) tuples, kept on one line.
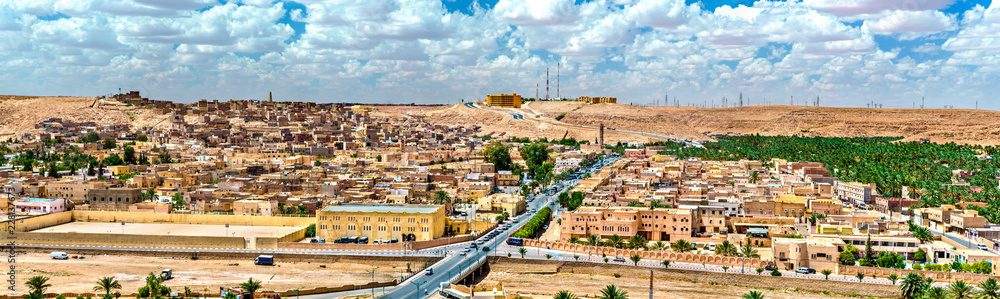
[(372, 272), (168, 238)]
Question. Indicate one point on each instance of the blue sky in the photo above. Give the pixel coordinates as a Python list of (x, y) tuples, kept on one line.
[(849, 53)]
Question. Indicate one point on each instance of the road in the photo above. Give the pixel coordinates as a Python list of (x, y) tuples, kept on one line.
[(455, 264)]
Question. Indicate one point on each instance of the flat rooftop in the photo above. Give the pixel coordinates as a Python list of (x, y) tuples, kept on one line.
[(355, 208), (172, 229)]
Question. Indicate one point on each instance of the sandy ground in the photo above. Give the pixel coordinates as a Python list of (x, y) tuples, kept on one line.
[(75, 275), (22, 113), (542, 279), (171, 229)]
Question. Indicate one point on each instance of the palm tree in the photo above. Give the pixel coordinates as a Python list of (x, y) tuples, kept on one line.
[(107, 284), (682, 246), (615, 241), (613, 292), (860, 276), (726, 249), (989, 289), (522, 251), (666, 263), (936, 293), (593, 240), (826, 273), (637, 242), (960, 290), (659, 245), (251, 286), (574, 240), (635, 258), (759, 270), (37, 284), (548, 256), (753, 295), (893, 277), (912, 285), (565, 295), (754, 177), (749, 252)]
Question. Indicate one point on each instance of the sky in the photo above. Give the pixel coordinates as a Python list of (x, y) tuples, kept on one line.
[(846, 53)]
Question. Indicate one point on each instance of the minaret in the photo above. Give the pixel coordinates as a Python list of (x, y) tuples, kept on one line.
[(600, 136), (269, 98)]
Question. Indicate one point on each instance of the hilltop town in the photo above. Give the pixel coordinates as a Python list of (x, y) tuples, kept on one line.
[(354, 200)]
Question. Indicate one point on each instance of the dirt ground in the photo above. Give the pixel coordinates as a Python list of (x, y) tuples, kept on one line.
[(22, 113), (80, 275), (542, 279), (173, 229)]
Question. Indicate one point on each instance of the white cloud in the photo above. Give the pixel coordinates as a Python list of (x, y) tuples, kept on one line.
[(873, 7), (913, 24)]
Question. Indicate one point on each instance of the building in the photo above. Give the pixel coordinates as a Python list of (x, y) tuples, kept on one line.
[(112, 199), (966, 220), (510, 203), (893, 204), (381, 222), (855, 193), (817, 253), (253, 207), (72, 191), (35, 206), (653, 224), (504, 100), (597, 100)]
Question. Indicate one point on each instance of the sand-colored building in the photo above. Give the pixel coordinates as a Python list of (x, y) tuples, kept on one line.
[(511, 203), (653, 224), (504, 100), (597, 100), (381, 222)]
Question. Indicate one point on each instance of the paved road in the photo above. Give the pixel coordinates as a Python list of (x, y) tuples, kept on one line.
[(455, 265)]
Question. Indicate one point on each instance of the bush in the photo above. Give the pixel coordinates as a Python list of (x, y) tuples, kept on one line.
[(617, 275), (531, 229), (560, 117), (311, 231), (775, 272)]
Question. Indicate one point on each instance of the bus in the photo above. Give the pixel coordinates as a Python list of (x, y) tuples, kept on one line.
[(515, 241)]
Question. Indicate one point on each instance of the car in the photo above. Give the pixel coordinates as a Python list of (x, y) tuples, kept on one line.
[(983, 247), (619, 259), (486, 248), (805, 270), (430, 271), (770, 268), (547, 227), (462, 253)]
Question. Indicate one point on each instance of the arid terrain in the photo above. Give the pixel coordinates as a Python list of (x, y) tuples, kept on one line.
[(80, 275), (537, 119), (524, 277)]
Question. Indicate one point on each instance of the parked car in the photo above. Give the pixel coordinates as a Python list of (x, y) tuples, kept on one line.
[(770, 268), (619, 259), (805, 270), (59, 256)]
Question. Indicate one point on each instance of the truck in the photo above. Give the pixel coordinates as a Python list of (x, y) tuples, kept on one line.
[(515, 241), (264, 260), (59, 255), (167, 274)]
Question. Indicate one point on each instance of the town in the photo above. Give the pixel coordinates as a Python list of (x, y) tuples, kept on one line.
[(283, 183)]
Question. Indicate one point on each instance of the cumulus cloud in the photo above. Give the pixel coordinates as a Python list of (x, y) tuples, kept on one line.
[(913, 24)]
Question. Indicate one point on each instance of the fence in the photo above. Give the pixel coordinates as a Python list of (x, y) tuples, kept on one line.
[(709, 259)]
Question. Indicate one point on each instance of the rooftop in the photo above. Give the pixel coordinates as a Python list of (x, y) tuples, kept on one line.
[(377, 208), (38, 199)]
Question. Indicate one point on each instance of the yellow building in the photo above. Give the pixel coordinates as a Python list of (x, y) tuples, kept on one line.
[(598, 100), (510, 203), (504, 100), (381, 222)]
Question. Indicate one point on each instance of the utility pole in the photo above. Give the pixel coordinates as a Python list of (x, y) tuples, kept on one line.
[(921, 102), (558, 66), (546, 83), (536, 91), (650, 284), (741, 99)]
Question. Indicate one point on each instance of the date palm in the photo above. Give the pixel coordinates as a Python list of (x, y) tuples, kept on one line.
[(574, 240), (682, 246), (912, 285), (893, 277), (615, 241), (107, 284), (593, 240), (251, 286), (613, 292), (637, 242), (565, 295), (522, 251), (753, 295), (726, 249), (989, 289), (37, 284), (635, 258), (659, 245), (666, 263), (826, 273), (749, 252), (960, 290)]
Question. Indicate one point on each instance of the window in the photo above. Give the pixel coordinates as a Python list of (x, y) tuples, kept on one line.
[(425, 229), (366, 219)]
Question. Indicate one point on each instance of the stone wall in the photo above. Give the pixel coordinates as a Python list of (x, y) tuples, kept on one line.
[(972, 278), (53, 238), (692, 258), (207, 219), (37, 222)]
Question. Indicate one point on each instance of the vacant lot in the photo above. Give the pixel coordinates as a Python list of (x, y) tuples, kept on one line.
[(80, 275), (525, 277), (172, 229)]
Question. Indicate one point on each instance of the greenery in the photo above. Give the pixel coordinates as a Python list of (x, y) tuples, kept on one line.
[(177, 201), (613, 292), (912, 286), (498, 154), (536, 157), (251, 286), (571, 201), (682, 246), (37, 285), (753, 295), (154, 287), (109, 143), (142, 138), (565, 295), (560, 116), (311, 230), (989, 289), (826, 273), (107, 284), (959, 289), (534, 226), (925, 167)]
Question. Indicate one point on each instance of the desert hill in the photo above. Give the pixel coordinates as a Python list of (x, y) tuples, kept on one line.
[(22, 113)]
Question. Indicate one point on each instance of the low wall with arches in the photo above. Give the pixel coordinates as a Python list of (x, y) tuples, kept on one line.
[(973, 278), (709, 259)]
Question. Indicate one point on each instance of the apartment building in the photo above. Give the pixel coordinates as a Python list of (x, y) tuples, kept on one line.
[(381, 222), (253, 207), (855, 193), (510, 203), (504, 100), (597, 100), (966, 220), (817, 253), (653, 224)]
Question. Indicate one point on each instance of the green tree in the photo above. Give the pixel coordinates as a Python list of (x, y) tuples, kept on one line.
[(753, 295), (960, 290), (637, 242), (936, 293), (109, 143), (920, 255), (129, 155), (522, 251), (659, 246), (759, 270), (826, 273), (107, 284), (666, 263), (726, 248), (848, 256), (251, 286), (594, 240), (860, 276), (989, 289), (868, 260), (91, 137), (53, 170), (142, 138), (37, 284), (912, 285), (893, 277), (535, 155), (311, 230), (682, 246), (177, 201), (498, 154), (749, 252), (615, 241), (613, 292), (635, 258), (441, 197), (164, 157), (565, 295)]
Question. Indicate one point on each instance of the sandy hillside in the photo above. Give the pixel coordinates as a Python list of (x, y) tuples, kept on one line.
[(22, 113)]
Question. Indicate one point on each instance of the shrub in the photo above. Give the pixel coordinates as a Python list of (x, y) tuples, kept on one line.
[(617, 275), (775, 272), (560, 117), (531, 229)]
